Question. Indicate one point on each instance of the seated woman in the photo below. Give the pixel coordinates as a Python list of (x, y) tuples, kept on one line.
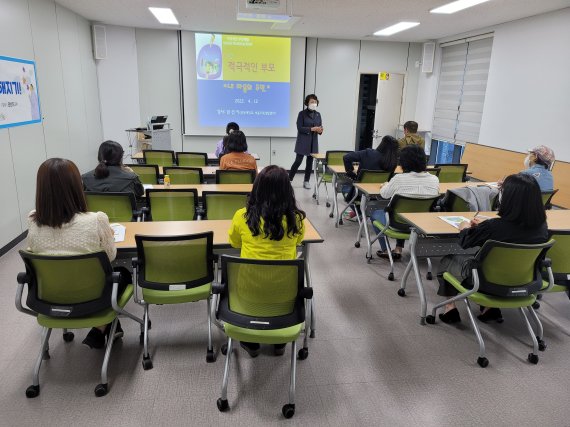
[(61, 225), (269, 227), (383, 158), (413, 182), (221, 146), (236, 157), (111, 175), (522, 219)]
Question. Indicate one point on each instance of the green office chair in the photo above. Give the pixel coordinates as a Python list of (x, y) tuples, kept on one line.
[(452, 172), (504, 275), (366, 177), (332, 158), (222, 204), (235, 177), (180, 175), (262, 301), (434, 171), (148, 174), (119, 207), (192, 159), (397, 228), (71, 292), (451, 202), (547, 198), (159, 157), (172, 204), (174, 270)]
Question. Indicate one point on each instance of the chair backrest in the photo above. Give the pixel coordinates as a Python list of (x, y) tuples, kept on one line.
[(184, 175), (373, 177), (509, 269), (68, 286), (335, 157), (402, 204), (159, 157), (235, 177), (434, 171), (119, 207), (262, 294), (452, 172), (547, 198), (223, 204), (454, 203), (175, 262), (148, 174), (172, 204), (192, 159), (559, 254)]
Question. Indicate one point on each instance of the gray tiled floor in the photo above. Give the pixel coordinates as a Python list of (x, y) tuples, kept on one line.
[(371, 363)]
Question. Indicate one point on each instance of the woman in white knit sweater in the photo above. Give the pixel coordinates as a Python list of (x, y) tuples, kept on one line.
[(61, 225)]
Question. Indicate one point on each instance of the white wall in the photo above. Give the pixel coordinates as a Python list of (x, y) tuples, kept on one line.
[(60, 43)]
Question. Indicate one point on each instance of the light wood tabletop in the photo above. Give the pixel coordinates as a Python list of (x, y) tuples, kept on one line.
[(211, 156), (176, 228), (430, 224), (319, 156), (232, 188), (374, 189), (208, 171)]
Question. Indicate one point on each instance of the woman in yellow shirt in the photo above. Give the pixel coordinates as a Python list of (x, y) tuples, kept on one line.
[(269, 227)]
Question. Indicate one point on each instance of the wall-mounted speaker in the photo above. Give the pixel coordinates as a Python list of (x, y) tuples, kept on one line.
[(428, 57), (99, 42)]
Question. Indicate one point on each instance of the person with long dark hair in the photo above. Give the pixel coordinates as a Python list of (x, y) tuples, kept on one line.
[(309, 127), (522, 219), (111, 175), (61, 225), (269, 227)]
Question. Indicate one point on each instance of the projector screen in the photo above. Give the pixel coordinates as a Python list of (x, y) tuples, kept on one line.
[(255, 81)]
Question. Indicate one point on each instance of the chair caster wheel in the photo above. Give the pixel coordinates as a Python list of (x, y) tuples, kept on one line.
[(541, 344), (539, 296), (33, 391), (210, 357), (536, 305), (314, 196), (303, 353), (533, 358), (340, 222), (429, 276), (223, 405), (401, 292), (288, 410), (147, 363), (68, 336), (431, 320), (483, 362), (46, 355), (101, 390), (391, 276), (331, 214), (328, 205), (224, 349), (357, 245)]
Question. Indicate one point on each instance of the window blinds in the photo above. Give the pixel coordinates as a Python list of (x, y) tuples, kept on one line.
[(461, 91)]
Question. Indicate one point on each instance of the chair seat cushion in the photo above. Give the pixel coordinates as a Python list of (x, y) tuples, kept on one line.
[(391, 232), (269, 336), (102, 318), (198, 293), (490, 300)]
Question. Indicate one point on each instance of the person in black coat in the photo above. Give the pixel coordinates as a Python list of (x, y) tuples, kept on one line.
[(309, 127)]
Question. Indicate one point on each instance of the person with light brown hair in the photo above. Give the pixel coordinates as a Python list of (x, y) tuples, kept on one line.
[(61, 225)]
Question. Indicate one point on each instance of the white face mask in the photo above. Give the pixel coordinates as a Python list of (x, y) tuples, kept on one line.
[(313, 106), (527, 162)]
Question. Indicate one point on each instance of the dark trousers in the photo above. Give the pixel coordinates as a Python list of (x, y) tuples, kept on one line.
[(459, 266), (297, 163)]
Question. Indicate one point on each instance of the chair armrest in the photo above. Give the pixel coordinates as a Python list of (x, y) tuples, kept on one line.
[(306, 293), (218, 288), (22, 278), (135, 262), (545, 263)]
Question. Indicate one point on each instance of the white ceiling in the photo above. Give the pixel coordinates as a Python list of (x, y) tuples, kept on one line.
[(344, 19)]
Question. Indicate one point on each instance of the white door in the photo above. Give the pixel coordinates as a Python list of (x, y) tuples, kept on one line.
[(388, 103)]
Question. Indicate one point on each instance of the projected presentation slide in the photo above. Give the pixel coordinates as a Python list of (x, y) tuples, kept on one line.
[(245, 79)]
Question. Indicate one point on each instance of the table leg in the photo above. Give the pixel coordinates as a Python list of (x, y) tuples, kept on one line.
[(316, 171), (309, 282), (419, 283), (334, 210), (363, 201)]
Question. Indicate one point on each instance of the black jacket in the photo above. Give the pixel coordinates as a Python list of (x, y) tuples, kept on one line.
[(307, 141), (369, 159)]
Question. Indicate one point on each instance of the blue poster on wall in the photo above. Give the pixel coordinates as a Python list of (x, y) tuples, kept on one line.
[(19, 98)]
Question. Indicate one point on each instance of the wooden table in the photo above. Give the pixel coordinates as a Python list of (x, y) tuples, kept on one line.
[(431, 236), (237, 188), (221, 241), (207, 171), (212, 158)]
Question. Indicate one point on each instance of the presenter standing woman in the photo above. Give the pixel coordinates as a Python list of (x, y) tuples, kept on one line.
[(309, 127)]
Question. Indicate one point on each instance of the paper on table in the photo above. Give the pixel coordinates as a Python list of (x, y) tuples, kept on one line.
[(147, 187), (454, 220), (119, 232)]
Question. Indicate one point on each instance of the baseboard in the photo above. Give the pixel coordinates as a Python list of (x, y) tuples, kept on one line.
[(13, 243)]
